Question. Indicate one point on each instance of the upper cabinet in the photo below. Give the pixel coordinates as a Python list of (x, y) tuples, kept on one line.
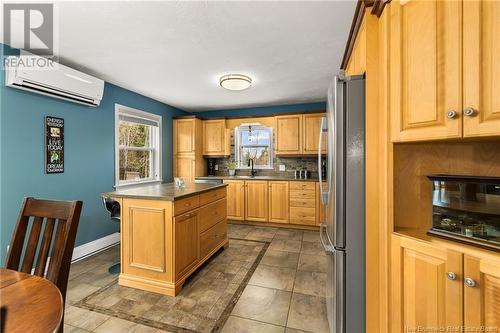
[(298, 134), (188, 162), (426, 81), (481, 68), (357, 61), (444, 71), (288, 134), (310, 134), (187, 136), (215, 138)]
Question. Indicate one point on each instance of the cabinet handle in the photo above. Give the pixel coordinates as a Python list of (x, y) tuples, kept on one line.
[(469, 112), (451, 276), (452, 114), (469, 282)]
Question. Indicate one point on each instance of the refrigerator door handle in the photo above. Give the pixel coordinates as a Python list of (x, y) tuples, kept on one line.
[(329, 249), (324, 194)]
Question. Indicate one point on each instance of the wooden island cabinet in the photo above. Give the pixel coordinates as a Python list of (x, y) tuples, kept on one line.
[(167, 233)]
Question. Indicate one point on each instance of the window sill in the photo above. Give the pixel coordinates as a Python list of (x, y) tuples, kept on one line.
[(139, 183)]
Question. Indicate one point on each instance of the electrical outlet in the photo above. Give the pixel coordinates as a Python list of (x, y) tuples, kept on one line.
[(282, 167), (216, 167)]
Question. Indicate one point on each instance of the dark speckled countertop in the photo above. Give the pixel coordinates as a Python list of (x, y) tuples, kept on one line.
[(259, 178), (166, 191)]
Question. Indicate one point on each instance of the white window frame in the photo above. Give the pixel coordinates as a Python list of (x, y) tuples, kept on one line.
[(237, 150), (156, 151)]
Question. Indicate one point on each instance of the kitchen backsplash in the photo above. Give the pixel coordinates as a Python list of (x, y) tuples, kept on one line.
[(291, 164)]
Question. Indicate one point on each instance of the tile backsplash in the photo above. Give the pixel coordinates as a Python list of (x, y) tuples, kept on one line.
[(291, 164)]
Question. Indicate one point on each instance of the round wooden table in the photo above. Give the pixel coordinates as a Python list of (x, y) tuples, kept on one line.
[(29, 303)]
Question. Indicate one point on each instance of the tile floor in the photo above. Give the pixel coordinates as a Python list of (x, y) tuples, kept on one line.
[(285, 293)]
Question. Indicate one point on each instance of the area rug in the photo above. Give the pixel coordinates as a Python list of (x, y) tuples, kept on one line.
[(203, 305)]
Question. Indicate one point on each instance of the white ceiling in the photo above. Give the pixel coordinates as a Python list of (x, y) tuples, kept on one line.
[(175, 52)]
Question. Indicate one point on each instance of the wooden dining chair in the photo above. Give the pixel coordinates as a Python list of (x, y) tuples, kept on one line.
[(50, 238)]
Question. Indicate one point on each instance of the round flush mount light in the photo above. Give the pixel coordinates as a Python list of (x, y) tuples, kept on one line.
[(235, 82)]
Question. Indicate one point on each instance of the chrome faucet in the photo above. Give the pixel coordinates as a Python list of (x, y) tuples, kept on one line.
[(252, 172)]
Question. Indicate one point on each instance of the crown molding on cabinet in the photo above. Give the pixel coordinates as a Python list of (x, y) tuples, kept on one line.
[(377, 9)]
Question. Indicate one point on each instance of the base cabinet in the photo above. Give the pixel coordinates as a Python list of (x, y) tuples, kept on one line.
[(481, 292), (256, 200), (424, 296), (283, 202), (278, 201), (186, 242), (434, 288), (235, 199)]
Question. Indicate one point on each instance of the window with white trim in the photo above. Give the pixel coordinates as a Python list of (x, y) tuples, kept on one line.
[(254, 141), (137, 146)]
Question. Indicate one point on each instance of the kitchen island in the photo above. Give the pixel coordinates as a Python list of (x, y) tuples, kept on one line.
[(168, 232)]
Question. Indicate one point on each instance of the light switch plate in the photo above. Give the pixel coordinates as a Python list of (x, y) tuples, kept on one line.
[(282, 167), (216, 167)]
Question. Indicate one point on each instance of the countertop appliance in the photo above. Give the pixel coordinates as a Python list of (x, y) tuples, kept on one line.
[(211, 166), (466, 209), (343, 194)]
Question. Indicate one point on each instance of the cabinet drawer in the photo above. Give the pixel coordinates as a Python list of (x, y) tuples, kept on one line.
[(211, 238), (302, 186), (302, 194), (212, 213), (299, 202), (302, 215), (186, 204), (211, 196)]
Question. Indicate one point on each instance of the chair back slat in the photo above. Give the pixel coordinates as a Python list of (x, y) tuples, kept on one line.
[(57, 251), (29, 254), (67, 216), (17, 242), (45, 247)]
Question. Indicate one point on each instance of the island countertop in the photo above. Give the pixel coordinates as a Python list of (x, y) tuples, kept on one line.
[(165, 191)]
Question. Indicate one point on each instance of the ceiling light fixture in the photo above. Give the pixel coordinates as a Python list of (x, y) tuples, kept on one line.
[(235, 82)]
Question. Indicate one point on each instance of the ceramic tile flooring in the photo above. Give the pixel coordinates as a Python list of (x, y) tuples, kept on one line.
[(285, 294)]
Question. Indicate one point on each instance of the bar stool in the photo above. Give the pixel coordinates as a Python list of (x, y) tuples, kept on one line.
[(113, 207)]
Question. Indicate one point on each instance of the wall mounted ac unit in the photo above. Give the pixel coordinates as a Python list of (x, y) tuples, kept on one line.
[(44, 76)]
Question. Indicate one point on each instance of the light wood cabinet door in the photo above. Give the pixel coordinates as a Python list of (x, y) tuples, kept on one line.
[(310, 134), (481, 292), (215, 138), (321, 214), (426, 81), (422, 293), (481, 68), (256, 200), (186, 242), (235, 199), (184, 136), (279, 199), (185, 167), (288, 135)]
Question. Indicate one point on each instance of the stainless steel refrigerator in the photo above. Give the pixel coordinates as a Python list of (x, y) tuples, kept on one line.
[(343, 194)]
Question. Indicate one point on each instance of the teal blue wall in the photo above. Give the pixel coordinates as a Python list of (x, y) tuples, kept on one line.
[(262, 111), (89, 153)]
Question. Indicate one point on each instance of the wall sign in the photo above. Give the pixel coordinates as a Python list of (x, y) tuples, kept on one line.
[(54, 145)]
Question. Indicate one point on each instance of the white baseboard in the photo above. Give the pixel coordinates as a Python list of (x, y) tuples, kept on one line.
[(98, 245)]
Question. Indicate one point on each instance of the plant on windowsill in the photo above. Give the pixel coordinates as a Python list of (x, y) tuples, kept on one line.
[(231, 167)]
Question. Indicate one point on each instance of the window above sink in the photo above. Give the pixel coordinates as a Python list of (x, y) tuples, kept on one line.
[(253, 141)]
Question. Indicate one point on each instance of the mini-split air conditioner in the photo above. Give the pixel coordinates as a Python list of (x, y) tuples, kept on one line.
[(44, 76)]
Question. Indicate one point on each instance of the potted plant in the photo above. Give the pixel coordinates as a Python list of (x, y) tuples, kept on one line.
[(232, 168)]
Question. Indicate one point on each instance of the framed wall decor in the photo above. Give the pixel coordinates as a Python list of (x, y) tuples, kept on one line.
[(54, 145)]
